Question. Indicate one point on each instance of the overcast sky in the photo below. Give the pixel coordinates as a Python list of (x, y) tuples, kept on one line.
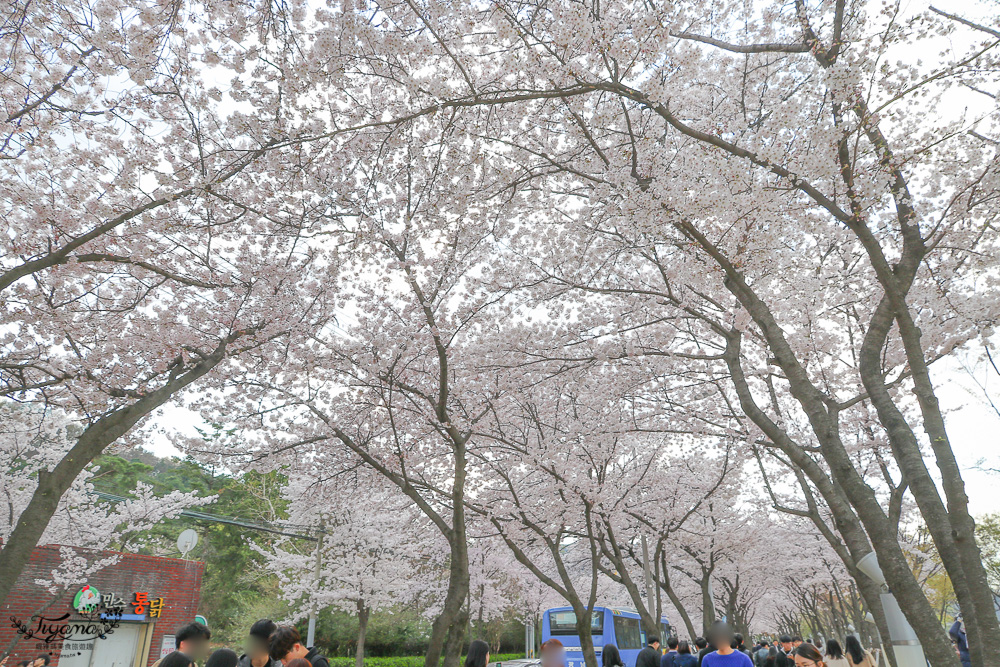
[(963, 383)]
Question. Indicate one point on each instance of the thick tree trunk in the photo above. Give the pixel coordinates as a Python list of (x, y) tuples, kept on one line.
[(707, 603), (95, 439), (448, 630), (583, 629), (363, 614)]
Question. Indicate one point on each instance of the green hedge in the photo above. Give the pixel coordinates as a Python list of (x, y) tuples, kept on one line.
[(410, 661)]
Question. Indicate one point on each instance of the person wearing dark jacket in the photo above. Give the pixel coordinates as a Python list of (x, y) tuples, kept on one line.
[(668, 658), (286, 644), (684, 657), (961, 641), (649, 656), (258, 646)]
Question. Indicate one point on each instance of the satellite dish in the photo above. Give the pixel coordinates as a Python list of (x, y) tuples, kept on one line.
[(186, 541)]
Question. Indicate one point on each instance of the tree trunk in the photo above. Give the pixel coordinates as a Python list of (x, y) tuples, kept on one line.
[(664, 583), (707, 603), (95, 439), (363, 614)]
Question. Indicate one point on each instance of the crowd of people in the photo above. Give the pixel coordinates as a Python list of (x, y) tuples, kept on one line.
[(267, 645), (722, 647)]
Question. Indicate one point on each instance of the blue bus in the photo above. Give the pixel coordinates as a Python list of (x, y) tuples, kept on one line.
[(620, 627)]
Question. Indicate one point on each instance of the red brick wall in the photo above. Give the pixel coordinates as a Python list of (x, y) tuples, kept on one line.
[(177, 581)]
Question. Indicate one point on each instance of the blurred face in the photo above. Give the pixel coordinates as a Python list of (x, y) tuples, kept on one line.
[(256, 647), (196, 649), (553, 657)]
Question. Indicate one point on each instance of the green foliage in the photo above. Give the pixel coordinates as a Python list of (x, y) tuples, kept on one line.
[(235, 585), (988, 537)]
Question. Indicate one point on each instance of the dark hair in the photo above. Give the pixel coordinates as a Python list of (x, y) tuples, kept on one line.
[(263, 628), (772, 656), (671, 642), (299, 662), (854, 650), (683, 647), (833, 649), (478, 652), (739, 639), (796, 638), (809, 652), (283, 639), (46, 657), (222, 657), (785, 639), (610, 657), (176, 659), (191, 631), (652, 639), (701, 642)]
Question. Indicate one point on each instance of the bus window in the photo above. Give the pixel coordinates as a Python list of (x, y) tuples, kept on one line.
[(564, 623), (628, 633)]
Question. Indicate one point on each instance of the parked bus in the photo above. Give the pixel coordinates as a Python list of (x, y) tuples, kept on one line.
[(620, 627)]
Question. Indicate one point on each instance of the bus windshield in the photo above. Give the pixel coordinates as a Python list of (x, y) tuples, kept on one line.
[(564, 623)]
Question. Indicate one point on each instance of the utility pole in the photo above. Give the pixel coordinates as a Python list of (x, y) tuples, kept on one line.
[(649, 582), (311, 634)]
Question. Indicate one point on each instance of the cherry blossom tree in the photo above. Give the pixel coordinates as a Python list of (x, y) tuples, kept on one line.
[(767, 189), (375, 550), (152, 234), (33, 441)]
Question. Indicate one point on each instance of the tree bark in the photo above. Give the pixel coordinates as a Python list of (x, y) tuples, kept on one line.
[(664, 583), (363, 614), (95, 439)]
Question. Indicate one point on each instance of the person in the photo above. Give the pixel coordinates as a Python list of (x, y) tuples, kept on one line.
[(772, 657), (668, 658), (857, 656), (222, 657), (286, 644), (650, 655), (176, 659), (700, 643), (41, 660), (740, 646), (298, 662), (760, 655), (961, 640), (796, 641), (611, 656), (192, 641), (807, 655), (785, 647), (552, 654), (707, 648), (722, 637), (258, 645), (834, 655), (684, 657), (478, 655)]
